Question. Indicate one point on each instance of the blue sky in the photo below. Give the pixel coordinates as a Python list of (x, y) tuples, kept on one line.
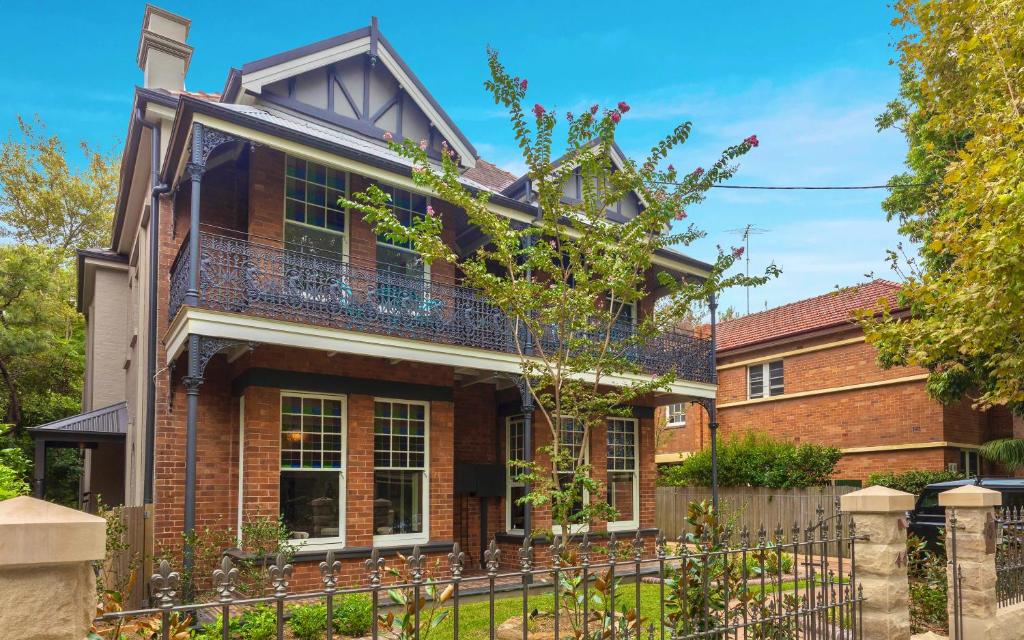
[(807, 77)]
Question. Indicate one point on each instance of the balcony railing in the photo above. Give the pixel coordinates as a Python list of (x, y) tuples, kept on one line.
[(245, 277)]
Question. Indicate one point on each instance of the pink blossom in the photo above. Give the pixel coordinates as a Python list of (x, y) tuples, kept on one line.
[(388, 136), (623, 107), (522, 84), (671, 168), (538, 110), (615, 116), (593, 110), (418, 169), (568, 116), (444, 145), (680, 214), (430, 211), (752, 141), (737, 252), (699, 171), (423, 145)]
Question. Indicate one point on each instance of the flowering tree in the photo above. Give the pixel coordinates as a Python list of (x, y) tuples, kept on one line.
[(564, 280)]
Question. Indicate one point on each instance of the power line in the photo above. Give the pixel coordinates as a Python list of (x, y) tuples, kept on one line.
[(807, 188)]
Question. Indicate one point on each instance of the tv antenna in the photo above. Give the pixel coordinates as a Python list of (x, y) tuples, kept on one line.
[(745, 232)]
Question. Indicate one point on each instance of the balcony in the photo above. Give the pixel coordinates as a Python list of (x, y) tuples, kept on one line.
[(240, 276)]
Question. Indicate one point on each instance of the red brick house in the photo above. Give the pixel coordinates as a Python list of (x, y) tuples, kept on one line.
[(303, 367), (803, 372)]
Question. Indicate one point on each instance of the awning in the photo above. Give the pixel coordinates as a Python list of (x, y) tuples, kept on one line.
[(108, 423)]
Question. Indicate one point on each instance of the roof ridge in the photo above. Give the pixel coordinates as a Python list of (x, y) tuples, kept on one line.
[(835, 293)]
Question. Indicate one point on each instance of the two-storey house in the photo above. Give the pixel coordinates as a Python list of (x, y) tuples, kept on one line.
[(280, 360), (803, 372)]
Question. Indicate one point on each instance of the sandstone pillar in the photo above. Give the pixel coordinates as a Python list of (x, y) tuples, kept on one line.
[(880, 567), (47, 582), (974, 509)]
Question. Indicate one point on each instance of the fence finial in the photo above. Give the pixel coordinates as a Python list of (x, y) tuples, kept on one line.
[(224, 580), (329, 569), (375, 565), (526, 554), (280, 573), (165, 584), (492, 556)]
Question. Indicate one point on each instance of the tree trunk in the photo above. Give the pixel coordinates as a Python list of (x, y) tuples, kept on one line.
[(13, 414)]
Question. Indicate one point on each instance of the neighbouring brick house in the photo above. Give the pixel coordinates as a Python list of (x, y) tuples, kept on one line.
[(803, 372), (304, 368)]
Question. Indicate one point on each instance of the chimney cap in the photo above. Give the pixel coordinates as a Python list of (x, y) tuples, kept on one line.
[(165, 23), (165, 32)]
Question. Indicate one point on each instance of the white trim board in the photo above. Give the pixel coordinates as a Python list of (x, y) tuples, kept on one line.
[(217, 324)]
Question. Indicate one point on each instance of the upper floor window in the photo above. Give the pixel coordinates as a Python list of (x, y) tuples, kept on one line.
[(677, 415), (765, 379), (314, 222), (623, 472), (312, 465), (400, 257)]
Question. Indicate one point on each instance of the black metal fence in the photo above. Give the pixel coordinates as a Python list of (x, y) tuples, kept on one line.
[(1010, 556), (780, 585), (242, 276)]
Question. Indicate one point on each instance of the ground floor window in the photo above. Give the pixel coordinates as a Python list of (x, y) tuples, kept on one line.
[(970, 462), (400, 430), (515, 447), (572, 440), (313, 466), (623, 480)]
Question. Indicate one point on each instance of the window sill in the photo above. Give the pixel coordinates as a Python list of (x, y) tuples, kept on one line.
[(627, 525), (399, 539)]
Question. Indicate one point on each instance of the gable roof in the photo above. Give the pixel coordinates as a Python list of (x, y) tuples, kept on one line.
[(366, 40), (820, 312)]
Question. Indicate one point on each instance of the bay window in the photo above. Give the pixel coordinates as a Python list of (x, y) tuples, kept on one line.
[(515, 448), (400, 492), (312, 483), (314, 222), (623, 480)]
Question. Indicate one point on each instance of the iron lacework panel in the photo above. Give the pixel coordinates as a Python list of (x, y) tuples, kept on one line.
[(240, 276)]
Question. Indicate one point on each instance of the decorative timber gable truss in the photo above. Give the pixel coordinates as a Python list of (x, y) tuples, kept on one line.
[(359, 82)]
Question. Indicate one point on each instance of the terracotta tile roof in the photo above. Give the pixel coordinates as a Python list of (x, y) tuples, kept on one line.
[(200, 95), (828, 310), (490, 175)]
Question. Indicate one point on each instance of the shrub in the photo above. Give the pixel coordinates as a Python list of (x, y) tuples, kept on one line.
[(353, 614), (258, 623), (308, 621), (757, 460), (926, 569), (912, 481)]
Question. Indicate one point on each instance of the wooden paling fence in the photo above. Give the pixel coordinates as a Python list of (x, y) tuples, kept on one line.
[(134, 556), (750, 507)]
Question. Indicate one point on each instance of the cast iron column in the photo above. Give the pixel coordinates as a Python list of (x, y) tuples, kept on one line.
[(192, 381), (712, 407), (196, 166)]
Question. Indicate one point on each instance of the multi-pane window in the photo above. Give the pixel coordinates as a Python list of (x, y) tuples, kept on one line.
[(623, 484), (312, 464), (677, 415), (314, 222), (399, 468), (400, 257), (573, 446), (515, 429), (970, 462), (767, 376)]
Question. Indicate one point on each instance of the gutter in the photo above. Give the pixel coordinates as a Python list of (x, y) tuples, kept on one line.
[(158, 188)]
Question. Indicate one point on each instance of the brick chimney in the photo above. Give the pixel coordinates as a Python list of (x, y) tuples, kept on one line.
[(163, 55)]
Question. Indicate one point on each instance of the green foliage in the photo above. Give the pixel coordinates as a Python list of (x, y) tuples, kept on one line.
[(913, 481), (353, 617), (756, 460), (564, 280), (960, 108), (353, 614), (1008, 452), (928, 586), (412, 618), (14, 465), (255, 623)]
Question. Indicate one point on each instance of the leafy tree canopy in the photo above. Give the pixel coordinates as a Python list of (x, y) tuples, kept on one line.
[(961, 106), (565, 279)]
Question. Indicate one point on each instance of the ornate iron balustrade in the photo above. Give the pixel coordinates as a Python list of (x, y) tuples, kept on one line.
[(244, 277), (179, 280)]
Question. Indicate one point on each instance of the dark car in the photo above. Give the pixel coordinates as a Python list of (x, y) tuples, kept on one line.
[(928, 517)]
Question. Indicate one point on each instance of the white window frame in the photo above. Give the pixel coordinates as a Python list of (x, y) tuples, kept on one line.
[(377, 240), (583, 526), (345, 235), (668, 414), (399, 539), (315, 543), (968, 470), (766, 391), (634, 522), (510, 481)]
